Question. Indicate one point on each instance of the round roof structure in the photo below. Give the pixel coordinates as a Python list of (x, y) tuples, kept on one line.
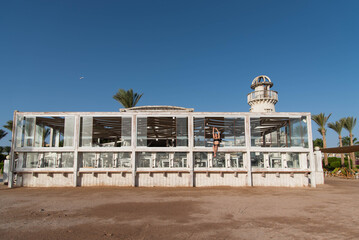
[(261, 80), (157, 108)]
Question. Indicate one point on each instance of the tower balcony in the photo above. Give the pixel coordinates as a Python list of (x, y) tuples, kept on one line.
[(262, 95)]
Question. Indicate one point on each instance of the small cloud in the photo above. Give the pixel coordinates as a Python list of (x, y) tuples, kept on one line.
[(82, 77)]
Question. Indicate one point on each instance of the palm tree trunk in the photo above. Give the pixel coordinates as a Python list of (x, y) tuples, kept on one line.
[(352, 154), (341, 155), (325, 146)]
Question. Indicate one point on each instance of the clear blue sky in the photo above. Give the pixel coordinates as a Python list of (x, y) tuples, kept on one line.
[(200, 54)]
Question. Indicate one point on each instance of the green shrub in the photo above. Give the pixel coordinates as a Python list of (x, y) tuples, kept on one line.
[(1, 167), (336, 164)]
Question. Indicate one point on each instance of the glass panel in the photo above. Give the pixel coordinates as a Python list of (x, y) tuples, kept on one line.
[(29, 131), (180, 160), (292, 160), (296, 132), (162, 160), (49, 160), (199, 132), (231, 131), (142, 132), (106, 160), (45, 131), (69, 131), (182, 133), (200, 159), (304, 132), (144, 159), (124, 159), (279, 132), (236, 160), (105, 132), (219, 160), (275, 160), (67, 160), (126, 132), (162, 131), (86, 131), (89, 160), (19, 131), (257, 159), (39, 136), (31, 160)]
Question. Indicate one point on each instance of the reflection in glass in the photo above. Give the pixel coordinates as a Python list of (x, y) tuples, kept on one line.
[(236, 160), (31, 160), (292, 160), (162, 131), (105, 131), (257, 160), (231, 129), (180, 160), (279, 132), (219, 161), (144, 159), (200, 159)]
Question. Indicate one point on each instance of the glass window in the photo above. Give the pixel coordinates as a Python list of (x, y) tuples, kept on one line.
[(45, 131), (31, 160), (275, 160), (279, 132), (144, 159), (105, 131), (180, 160), (200, 159), (236, 160), (89, 160), (124, 160), (162, 131), (66, 160), (257, 160), (106, 160), (219, 161), (292, 160), (162, 160), (231, 130), (48, 160)]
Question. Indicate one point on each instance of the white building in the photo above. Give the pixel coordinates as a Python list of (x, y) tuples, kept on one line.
[(166, 146)]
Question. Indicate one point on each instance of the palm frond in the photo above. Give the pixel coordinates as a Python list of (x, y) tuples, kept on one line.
[(2, 133), (8, 125), (349, 123), (321, 119), (127, 98), (336, 126)]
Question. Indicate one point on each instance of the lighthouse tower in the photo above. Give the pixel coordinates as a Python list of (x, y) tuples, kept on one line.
[(262, 99)]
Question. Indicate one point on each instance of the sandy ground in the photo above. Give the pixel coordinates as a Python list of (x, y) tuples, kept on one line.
[(327, 212)]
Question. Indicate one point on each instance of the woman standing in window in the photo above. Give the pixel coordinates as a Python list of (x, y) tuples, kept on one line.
[(216, 140)]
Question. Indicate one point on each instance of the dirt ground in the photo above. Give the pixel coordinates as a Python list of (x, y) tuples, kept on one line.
[(327, 212)]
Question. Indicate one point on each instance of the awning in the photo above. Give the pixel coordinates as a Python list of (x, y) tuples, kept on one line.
[(347, 149)]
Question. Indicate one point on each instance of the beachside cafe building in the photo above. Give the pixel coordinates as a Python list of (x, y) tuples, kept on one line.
[(166, 146)]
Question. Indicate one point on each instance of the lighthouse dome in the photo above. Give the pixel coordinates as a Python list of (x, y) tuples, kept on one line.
[(261, 80)]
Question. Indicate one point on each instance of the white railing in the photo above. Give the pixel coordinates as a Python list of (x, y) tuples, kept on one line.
[(262, 94)]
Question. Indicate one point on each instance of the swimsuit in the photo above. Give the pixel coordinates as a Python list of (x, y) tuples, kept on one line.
[(217, 141)]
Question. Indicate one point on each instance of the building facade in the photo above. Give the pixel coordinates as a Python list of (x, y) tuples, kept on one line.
[(163, 146)]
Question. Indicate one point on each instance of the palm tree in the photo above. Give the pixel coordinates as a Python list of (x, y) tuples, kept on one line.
[(45, 134), (338, 127), (8, 125), (7, 149), (346, 141), (321, 120), (349, 124), (2, 133), (128, 98)]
